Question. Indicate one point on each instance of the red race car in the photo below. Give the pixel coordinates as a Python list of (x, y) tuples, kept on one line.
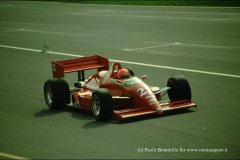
[(113, 91)]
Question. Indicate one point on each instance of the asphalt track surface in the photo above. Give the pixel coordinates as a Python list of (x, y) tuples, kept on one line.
[(202, 43)]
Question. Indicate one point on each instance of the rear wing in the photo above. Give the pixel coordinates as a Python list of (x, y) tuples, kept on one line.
[(59, 68)]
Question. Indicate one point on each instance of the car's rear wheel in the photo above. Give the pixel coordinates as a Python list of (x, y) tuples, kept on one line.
[(56, 93), (179, 88), (102, 105)]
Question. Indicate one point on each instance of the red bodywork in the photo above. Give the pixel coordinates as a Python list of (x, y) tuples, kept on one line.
[(131, 97)]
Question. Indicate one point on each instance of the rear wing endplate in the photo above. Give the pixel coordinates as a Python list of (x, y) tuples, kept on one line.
[(59, 68)]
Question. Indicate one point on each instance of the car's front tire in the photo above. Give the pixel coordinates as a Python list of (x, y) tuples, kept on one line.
[(179, 88), (56, 93), (102, 105)]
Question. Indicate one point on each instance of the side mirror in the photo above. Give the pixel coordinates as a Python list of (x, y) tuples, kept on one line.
[(144, 77)]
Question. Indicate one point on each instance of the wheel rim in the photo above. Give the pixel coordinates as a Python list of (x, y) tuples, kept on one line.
[(96, 106), (48, 94)]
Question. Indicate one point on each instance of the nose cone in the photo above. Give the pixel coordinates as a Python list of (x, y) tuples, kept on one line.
[(144, 97), (159, 109), (154, 104)]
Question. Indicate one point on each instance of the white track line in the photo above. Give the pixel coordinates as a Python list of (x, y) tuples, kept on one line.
[(12, 30), (180, 69), (126, 62), (6, 155), (226, 19), (210, 46), (158, 46)]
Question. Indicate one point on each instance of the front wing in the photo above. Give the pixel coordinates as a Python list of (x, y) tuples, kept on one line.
[(142, 111)]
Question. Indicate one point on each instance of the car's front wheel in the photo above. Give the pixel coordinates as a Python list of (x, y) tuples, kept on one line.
[(102, 105), (179, 88)]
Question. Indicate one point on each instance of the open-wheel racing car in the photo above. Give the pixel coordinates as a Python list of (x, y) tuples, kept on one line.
[(112, 91)]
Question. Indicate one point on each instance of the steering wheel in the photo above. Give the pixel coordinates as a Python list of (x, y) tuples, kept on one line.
[(115, 68)]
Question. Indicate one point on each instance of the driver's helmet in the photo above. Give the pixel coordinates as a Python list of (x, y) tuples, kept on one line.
[(123, 74)]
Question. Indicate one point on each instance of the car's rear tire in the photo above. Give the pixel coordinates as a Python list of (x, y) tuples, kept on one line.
[(102, 105), (179, 88), (56, 93)]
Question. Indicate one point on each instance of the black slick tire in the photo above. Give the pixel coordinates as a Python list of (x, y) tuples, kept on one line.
[(56, 93), (179, 88), (102, 105)]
